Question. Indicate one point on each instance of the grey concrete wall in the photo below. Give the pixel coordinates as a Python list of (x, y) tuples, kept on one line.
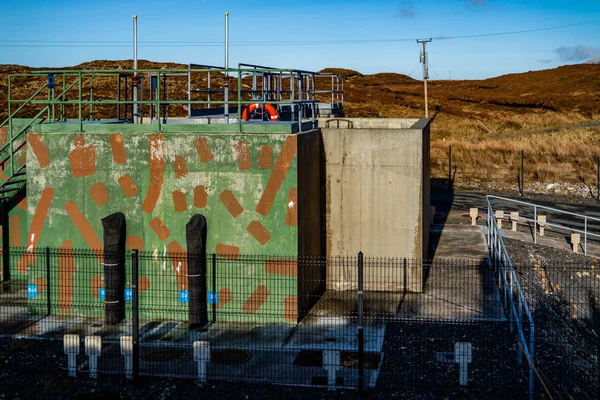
[(369, 123), (377, 199)]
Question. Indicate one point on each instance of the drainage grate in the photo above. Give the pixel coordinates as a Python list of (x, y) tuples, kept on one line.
[(163, 355), (230, 356)]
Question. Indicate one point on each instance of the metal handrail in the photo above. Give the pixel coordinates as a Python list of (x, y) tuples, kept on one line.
[(535, 221), (507, 279)]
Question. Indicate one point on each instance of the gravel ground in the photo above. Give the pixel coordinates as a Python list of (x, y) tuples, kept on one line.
[(35, 369), (562, 290)]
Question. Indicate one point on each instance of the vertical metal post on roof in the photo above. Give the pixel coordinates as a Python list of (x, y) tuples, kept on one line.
[(300, 111), (208, 105), (226, 104), (119, 97), (48, 283), (79, 102), (189, 90), (226, 43), (135, 86)]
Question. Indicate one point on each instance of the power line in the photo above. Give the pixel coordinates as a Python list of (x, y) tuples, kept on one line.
[(121, 43)]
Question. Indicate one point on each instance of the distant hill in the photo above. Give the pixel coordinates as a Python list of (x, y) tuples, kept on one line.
[(593, 61)]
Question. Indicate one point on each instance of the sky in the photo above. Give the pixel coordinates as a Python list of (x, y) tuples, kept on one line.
[(367, 36)]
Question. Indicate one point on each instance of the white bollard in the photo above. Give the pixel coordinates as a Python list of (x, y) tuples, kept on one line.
[(127, 352), (542, 223), (71, 347), (499, 216), (514, 218), (93, 349), (575, 240), (463, 355), (474, 213), (201, 356), (331, 363)]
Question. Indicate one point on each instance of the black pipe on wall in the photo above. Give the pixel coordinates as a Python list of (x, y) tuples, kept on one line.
[(114, 231), (195, 236)]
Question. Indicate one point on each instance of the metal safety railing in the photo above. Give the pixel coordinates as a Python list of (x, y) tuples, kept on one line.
[(512, 296), (581, 223)]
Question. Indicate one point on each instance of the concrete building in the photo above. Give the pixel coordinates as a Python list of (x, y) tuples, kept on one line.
[(288, 189)]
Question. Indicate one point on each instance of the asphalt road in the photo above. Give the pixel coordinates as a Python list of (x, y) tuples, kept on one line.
[(460, 202)]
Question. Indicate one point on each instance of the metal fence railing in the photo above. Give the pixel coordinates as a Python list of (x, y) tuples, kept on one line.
[(560, 220), (429, 327), (511, 293)]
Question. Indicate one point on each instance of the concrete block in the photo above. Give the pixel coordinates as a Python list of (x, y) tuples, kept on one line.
[(93, 349), (331, 363), (201, 356), (514, 218), (474, 213), (463, 356), (542, 224), (499, 215), (575, 241), (71, 348), (127, 352)]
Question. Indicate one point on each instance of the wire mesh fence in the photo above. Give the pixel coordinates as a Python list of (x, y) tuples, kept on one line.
[(426, 327)]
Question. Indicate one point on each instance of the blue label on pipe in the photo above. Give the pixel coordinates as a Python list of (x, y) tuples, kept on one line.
[(102, 293), (32, 291), (184, 296), (213, 298), (128, 294)]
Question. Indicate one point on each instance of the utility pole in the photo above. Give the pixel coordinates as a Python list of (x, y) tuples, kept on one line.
[(425, 71)]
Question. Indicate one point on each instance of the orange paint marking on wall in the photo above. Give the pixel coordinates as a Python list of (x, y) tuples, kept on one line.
[(285, 159), (144, 284), (15, 231), (203, 150), (99, 193), (118, 148), (36, 143), (85, 229), (23, 204), (160, 228), (134, 242), (82, 158), (227, 251), (231, 204), (66, 269), (200, 196), (35, 229), (225, 297), (179, 201), (291, 213), (128, 186), (290, 309), (265, 157), (22, 160), (181, 169), (259, 232), (156, 147), (244, 158), (282, 267), (178, 258), (256, 299), (41, 285), (96, 283)]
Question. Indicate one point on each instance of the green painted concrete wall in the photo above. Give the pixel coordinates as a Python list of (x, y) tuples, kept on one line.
[(159, 181)]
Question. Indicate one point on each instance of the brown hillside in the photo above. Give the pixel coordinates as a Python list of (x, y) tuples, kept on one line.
[(486, 121)]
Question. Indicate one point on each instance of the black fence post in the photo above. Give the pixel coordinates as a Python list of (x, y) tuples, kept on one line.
[(135, 313), (598, 182), (450, 183), (214, 288), (361, 333), (48, 282), (522, 185)]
